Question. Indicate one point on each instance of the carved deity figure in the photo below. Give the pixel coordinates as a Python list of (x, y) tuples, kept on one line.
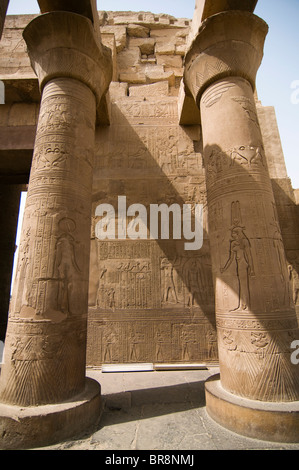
[(193, 283), (169, 294), (66, 265), (294, 278), (240, 253)]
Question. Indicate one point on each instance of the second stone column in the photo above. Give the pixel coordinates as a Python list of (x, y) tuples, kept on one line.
[(255, 316)]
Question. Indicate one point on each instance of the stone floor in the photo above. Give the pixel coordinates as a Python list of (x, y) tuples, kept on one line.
[(159, 411)]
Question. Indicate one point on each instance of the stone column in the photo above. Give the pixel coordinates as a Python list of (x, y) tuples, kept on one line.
[(10, 204), (258, 390), (46, 336)]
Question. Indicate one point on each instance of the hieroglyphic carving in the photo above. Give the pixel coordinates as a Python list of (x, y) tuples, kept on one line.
[(38, 351), (255, 319), (52, 275), (147, 156), (156, 339), (215, 94), (66, 268), (169, 294), (293, 270), (240, 252), (247, 155), (248, 107), (219, 162)]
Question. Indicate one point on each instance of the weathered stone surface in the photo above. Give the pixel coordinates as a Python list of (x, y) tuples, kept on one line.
[(151, 300), (147, 47), (128, 58), (137, 31), (170, 61), (14, 62), (165, 49), (133, 77), (154, 91), (255, 313), (118, 90), (45, 342), (120, 34)]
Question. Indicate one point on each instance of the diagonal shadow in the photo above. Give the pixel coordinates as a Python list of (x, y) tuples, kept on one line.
[(159, 184), (135, 163), (136, 405)]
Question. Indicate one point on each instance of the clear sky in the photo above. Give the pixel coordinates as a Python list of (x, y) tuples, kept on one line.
[(279, 70)]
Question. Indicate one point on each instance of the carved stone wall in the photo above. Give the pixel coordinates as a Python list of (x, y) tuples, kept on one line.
[(149, 301)]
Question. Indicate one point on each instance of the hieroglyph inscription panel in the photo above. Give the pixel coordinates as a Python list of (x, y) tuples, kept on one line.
[(149, 300)]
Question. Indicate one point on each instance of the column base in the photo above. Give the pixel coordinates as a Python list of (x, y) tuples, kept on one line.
[(32, 427), (275, 422)]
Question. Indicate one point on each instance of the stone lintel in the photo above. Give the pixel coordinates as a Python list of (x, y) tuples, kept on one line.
[(17, 137), (16, 150), (20, 90)]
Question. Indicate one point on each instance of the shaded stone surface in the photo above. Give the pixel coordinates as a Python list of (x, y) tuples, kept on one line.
[(149, 301), (45, 345), (171, 424), (252, 289), (149, 157)]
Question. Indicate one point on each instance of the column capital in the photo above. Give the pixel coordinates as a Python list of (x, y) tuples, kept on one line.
[(64, 44), (227, 44)]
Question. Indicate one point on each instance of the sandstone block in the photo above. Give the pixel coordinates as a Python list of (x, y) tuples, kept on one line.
[(120, 33), (118, 90), (132, 77), (180, 50), (173, 61), (150, 91), (165, 48), (137, 31), (156, 76), (128, 58), (147, 47)]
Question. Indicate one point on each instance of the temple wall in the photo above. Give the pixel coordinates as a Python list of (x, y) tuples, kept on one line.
[(149, 300)]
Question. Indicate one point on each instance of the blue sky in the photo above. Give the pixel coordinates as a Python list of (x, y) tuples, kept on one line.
[(279, 70)]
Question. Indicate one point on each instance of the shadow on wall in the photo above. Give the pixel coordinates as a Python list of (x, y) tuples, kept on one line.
[(151, 166)]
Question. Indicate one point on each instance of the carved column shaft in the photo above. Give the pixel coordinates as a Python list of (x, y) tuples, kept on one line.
[(256, 321), (46, 338), (48, 313)]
